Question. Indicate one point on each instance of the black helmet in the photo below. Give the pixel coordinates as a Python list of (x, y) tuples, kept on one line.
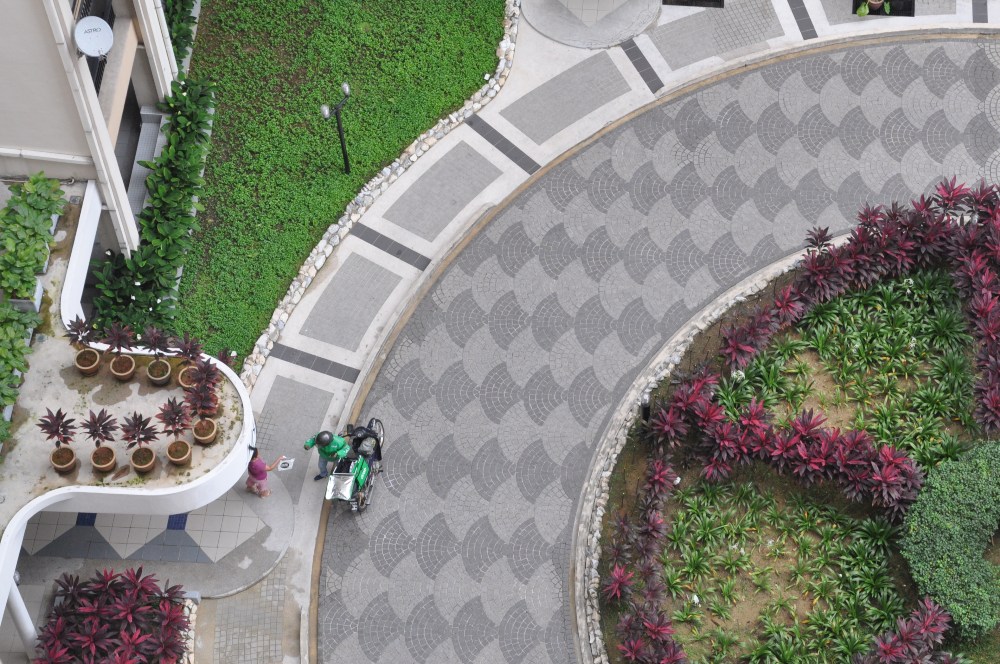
[(324, 438)]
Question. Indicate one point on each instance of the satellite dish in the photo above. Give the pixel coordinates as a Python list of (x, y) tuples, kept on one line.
[(93, 36)]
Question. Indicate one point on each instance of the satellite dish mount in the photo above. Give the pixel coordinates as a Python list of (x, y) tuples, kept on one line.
[(93, 37)]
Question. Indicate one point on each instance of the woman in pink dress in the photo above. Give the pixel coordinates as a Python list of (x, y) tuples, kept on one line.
[(257, 472)]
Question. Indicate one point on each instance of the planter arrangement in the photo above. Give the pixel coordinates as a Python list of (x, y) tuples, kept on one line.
[(26, 238), (200, 378), (901, 326), (138, 290), (138, 620), (27, 223)]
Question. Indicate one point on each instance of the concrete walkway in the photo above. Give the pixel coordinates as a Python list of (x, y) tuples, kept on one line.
[(517, 335)]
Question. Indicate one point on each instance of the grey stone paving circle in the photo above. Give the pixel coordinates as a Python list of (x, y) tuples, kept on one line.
[(501, 383)]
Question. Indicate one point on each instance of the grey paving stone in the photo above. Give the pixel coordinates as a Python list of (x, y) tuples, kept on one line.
[(350, 302), (438, 195), (564, 99), (292, 413), (742, 24), (501, 383)]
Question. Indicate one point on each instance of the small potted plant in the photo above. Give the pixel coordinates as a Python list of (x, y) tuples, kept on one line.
[(80, 333), (175, 419), (868, 6), (158, 343), (137, 432), (188, 349), (119, 339), (56, 426), (100, 428), (203, 400)]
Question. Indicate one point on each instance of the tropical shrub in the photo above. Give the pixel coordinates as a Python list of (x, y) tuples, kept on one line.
[(14, 328), (25, 233), (180, 23), (945, 533), (139, 290), (114, 618), (916, 639)]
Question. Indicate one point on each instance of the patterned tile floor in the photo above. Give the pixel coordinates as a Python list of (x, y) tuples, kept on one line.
[(205, 535)]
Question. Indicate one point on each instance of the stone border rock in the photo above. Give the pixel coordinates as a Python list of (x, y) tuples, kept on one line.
[(370, 192), (594, 499)]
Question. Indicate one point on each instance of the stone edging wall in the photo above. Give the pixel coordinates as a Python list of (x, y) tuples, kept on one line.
[(254, 363), (594, 500)]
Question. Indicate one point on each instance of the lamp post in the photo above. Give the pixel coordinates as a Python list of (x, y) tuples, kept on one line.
[(325, 110)]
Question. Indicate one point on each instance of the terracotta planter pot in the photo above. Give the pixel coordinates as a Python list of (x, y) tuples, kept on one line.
[(103, 459), (184, 378), (88, 361), (63, 460), (123, 367), (205, 431), (158, 372), (179, 453), (145, 462)]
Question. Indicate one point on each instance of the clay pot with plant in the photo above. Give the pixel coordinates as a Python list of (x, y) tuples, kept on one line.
[(189, 350), (203, 401), (80, 333), (61, 429), (158, 343), (137, 432), (120, 339), (175, 419), (100, 428)]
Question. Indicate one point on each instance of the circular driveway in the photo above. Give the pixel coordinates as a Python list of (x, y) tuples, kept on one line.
[(501, 383)]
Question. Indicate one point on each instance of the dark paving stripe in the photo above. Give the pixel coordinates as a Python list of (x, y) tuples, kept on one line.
[(642, 65), (315, 362), (803, 21), (980, 13), (390, 246), (500, 142)]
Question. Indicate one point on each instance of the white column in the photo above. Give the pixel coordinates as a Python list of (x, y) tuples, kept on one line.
[(22, 620), (156, 38), (109, 179)]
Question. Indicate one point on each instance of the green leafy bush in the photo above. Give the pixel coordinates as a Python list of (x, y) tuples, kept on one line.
[(946, 531), (14, 326), (274, 181), (180, 23), (25, 233), (139, 290)]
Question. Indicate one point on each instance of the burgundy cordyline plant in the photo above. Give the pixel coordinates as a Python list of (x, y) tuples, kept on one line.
[(113, 618), (645, 631), (915, 639)]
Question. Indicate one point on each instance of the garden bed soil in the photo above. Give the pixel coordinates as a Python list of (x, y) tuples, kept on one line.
[(204, 428), (142, 456), (103, 455), (158, 368), (63, 456)]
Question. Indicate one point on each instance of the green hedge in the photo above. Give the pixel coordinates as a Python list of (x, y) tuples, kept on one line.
[(180, 23), (26, 233), (14, 326), (274, 180), (946, 532), (139, 290)]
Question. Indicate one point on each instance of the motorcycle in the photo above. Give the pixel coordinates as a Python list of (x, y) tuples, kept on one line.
[(353, 480)]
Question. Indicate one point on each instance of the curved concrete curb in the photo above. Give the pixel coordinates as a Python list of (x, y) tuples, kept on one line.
[(554, 20)]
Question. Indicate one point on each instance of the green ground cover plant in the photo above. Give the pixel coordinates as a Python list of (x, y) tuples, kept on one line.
[(274, 181), (894, 360), (760, 578), (952, 522)]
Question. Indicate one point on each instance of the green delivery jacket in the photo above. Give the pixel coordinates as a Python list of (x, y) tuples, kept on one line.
[(337, 450)]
